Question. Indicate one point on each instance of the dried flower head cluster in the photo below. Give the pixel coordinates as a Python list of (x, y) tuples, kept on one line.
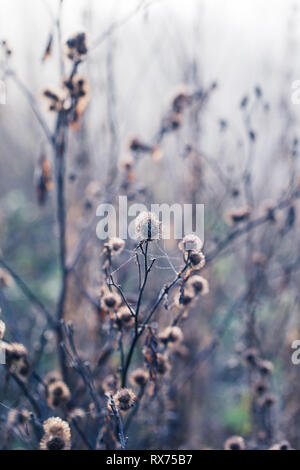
[(235, 216), (77, 414), (163, 364), (124, 399), (51, 377), (263, 400), (6, 48), (194, 285), (71, 100), (76, 47), (17, 359), (58, 394), (18, 418), (124, 318), (191, 246), (259, 259), (147, 227), (77, 98), (136, 146), (283, 445), (268, 210), (235, 443), (185, 299), (139, 377), (110, 301), (115, 246), (252, 358), (198, 284), (172, 334), (55, 99), (57, 435), (174, 118), (110, 384), (128, 173)]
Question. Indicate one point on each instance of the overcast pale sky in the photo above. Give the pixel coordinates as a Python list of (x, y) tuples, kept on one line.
[(238, 42)]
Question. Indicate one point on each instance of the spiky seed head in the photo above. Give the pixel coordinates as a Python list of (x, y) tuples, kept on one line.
[(235, 443)]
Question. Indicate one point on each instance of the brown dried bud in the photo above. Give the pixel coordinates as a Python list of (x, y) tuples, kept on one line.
[(139, 377), (235, 443), (124, 399)]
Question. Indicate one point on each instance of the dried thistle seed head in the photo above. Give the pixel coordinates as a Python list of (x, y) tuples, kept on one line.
[(180, 100), (163, 364), (76, 85), (110, 384), (191, 243), (124, 317), (124, 399), (136, 145), (139, 377), (172, 334), (266, 401), (18, 418), (259, 259), (77, 47), (283, 445), (115, 245), (265, 367), (175, 121), (55, 98), (52, 377), (78, 414), (78, 97), (235, 192), (235, 443), (260, 387), (18, 351), (5, 46), (15, 352), (23, 368), (184, 299), (5, 278), (111, 301), (2, 330), (56, 427), (52, 95), (93, 190), (251, 357), (197, 260), (199, 284), (180, 350), (172, 122), (147, 227), (58, 394), (235, 216), (56, 443)]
